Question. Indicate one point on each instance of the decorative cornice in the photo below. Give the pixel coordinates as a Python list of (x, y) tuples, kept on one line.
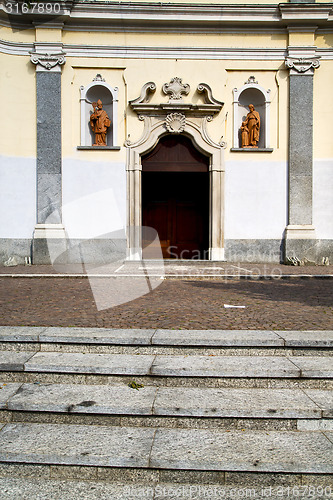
[(176, 17), (302, 64), (305, 13)]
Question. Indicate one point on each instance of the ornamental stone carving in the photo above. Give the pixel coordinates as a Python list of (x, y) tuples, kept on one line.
[(175, 89), (175, 123), (302, 64), (48, 61)]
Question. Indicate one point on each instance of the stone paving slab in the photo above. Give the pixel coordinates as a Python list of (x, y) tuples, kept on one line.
[(283, 451), (234, 403), (20, 333), (14, 361), (74, 398), (324, 399), (314, 367), (120, 364), (224, 366), (98, 335), (314, 338), (37, 489), (190, 449), (76, 444), (7, 390), (246, 338)]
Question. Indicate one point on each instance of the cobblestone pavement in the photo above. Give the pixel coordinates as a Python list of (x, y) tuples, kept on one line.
[(192, 303)]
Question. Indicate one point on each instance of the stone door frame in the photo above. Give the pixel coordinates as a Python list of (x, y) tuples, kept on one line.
[(176, 117), (153, 131)]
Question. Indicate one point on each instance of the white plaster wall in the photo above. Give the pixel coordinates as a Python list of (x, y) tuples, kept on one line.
[(94, 197), (255, 199), (17, 197), (323, 198)]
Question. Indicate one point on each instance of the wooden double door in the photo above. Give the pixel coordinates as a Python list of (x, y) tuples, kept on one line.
[(175, 198)]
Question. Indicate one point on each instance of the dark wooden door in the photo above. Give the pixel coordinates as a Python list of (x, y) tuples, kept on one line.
[(175, 202)]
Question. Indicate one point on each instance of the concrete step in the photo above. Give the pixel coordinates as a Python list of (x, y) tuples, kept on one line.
[(162, 448), (293, 367), (213, 402), (292, 487), (270, 409), (182, 338)]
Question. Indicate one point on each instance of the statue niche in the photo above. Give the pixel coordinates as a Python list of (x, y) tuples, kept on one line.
[(250, 129), (99, 122)]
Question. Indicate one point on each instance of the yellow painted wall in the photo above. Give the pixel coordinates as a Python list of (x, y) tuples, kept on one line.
[(241, 40), (323, 111), (23, 36), (18, 106)]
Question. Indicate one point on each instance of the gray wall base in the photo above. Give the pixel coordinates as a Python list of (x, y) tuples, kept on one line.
[(17, 249), (308, 250), (75, 251), (254, 251)]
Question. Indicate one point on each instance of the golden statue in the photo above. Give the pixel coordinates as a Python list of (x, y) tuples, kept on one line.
[(250, 129), (100, 122)]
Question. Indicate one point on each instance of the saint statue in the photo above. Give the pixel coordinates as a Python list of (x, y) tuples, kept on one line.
[(250, 129), (100, 122), (245, 135)]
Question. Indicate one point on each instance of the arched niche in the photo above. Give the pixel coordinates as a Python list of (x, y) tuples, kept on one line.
[(252, 93), (98, 89)]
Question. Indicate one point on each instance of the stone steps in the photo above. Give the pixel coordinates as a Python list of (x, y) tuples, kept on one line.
[(248, 403)]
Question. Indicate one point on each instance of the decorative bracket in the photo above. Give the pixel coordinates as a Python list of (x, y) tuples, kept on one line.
[(176, 88)]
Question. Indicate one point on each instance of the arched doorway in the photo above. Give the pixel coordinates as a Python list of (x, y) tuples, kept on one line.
[(175, 197)]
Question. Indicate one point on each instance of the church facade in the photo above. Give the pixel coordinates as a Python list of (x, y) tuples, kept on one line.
[(208, 122)]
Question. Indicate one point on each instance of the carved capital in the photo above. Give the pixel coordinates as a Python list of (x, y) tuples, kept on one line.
[(302, 65), (175, 89), (175, 123), (48, 61)]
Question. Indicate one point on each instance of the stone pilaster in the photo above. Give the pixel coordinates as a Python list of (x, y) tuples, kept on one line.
[(49, 235), (300, 233)]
